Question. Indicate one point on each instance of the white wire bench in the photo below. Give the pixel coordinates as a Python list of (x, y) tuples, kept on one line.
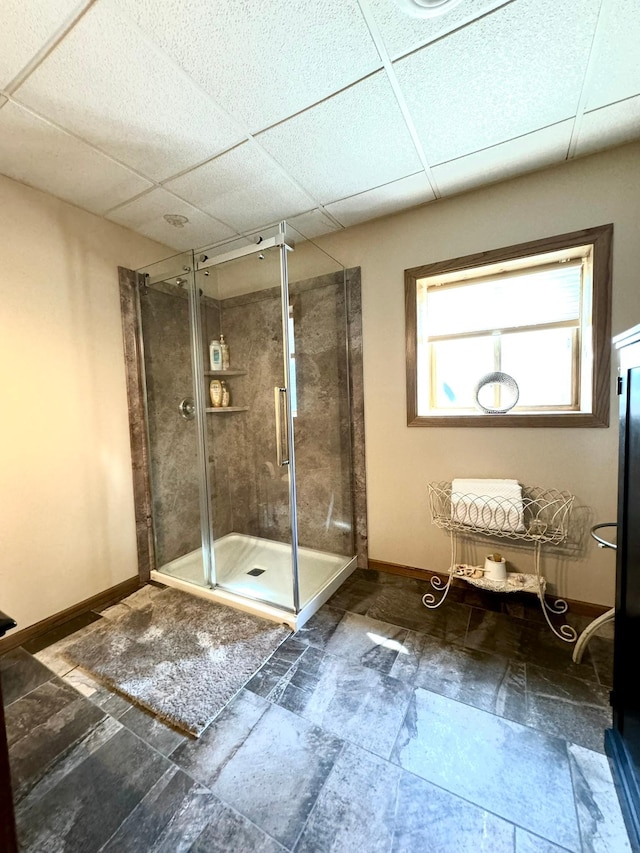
[(542, 517), (605, 618)]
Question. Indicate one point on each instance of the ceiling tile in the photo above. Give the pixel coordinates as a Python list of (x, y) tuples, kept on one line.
[(616, 69), (524, 154), (609, 126), (347, 144), (262, 61), (381, 201), (39, 154), (501, 77), (312, 224), (402, 33), (139, 107), (26, 27), (242, 187), (146, 215)]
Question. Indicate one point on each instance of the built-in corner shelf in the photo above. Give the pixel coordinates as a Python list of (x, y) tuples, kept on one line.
[(225, 374)]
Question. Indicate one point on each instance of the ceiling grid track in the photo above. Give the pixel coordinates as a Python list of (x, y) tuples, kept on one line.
[(250, 140), (397, 91), (272, 160), (146, 192), (603, 13), (331, 218), (49, 46), (227, 153), (472, 19), (144, 36), (12, 99), (504, 141), (119, 163), (250, 137)]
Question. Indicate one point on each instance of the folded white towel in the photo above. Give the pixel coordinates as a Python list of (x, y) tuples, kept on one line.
[(490, 504)]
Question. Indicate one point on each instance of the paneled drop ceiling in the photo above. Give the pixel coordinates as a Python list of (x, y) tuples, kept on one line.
[(235, 114)]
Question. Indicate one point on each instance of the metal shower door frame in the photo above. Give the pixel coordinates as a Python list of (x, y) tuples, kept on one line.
[(206, 519), (277, 241)]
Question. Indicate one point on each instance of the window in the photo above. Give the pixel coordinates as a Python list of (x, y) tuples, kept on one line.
[(539, 312)]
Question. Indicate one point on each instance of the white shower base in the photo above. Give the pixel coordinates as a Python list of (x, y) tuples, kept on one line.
[(268, 594)]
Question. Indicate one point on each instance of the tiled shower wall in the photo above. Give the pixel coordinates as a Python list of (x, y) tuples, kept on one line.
[(250, 493), (173, 440), (173, 449)]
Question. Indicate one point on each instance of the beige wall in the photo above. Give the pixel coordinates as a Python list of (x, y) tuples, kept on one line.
[(66, 501), (401, 461), (66, 519)]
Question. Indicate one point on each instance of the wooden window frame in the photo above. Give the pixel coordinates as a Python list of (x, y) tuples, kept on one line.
[(601, 238)]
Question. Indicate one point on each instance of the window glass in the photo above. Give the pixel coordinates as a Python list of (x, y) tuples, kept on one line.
[(524, 299), (529, 323), (542, 362), (542, 315), (457, 366)]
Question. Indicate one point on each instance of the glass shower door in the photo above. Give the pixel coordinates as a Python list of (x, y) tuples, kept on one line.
[(250, 483), (250, 459), (321, 410), (166, 312)]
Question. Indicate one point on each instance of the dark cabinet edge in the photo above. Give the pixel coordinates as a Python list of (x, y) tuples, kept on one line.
[(626, 783)]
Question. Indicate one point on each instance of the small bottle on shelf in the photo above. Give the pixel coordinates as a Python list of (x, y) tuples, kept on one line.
[(224, 348), (215, 355), (226, 396), (215, 392)]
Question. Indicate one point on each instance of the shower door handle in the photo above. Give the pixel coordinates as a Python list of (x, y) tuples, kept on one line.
[(281, 458)]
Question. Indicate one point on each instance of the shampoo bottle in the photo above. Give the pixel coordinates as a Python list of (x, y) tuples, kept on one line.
[(215, 392), (215, 355), (226, 396), (224, 346)]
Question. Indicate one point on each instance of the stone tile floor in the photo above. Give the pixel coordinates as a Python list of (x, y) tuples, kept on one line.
[(380, 726)]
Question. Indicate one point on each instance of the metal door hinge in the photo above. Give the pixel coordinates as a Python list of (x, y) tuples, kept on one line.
[(619, 386)]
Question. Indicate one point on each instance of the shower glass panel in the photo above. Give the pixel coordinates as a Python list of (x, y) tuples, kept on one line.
[(251, 481), (319, 382), (250, 463), (166, 311)]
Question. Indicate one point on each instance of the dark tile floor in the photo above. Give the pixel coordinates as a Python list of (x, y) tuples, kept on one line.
[(380, 726)]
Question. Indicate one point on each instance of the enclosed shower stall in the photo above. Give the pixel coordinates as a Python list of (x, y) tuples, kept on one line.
[(254, 503)]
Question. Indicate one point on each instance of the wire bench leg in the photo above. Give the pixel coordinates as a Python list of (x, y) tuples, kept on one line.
[(565, 632), (589, 631), (429, 599)]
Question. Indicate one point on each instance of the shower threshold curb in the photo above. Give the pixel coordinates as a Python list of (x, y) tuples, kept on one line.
[(295, 621)]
